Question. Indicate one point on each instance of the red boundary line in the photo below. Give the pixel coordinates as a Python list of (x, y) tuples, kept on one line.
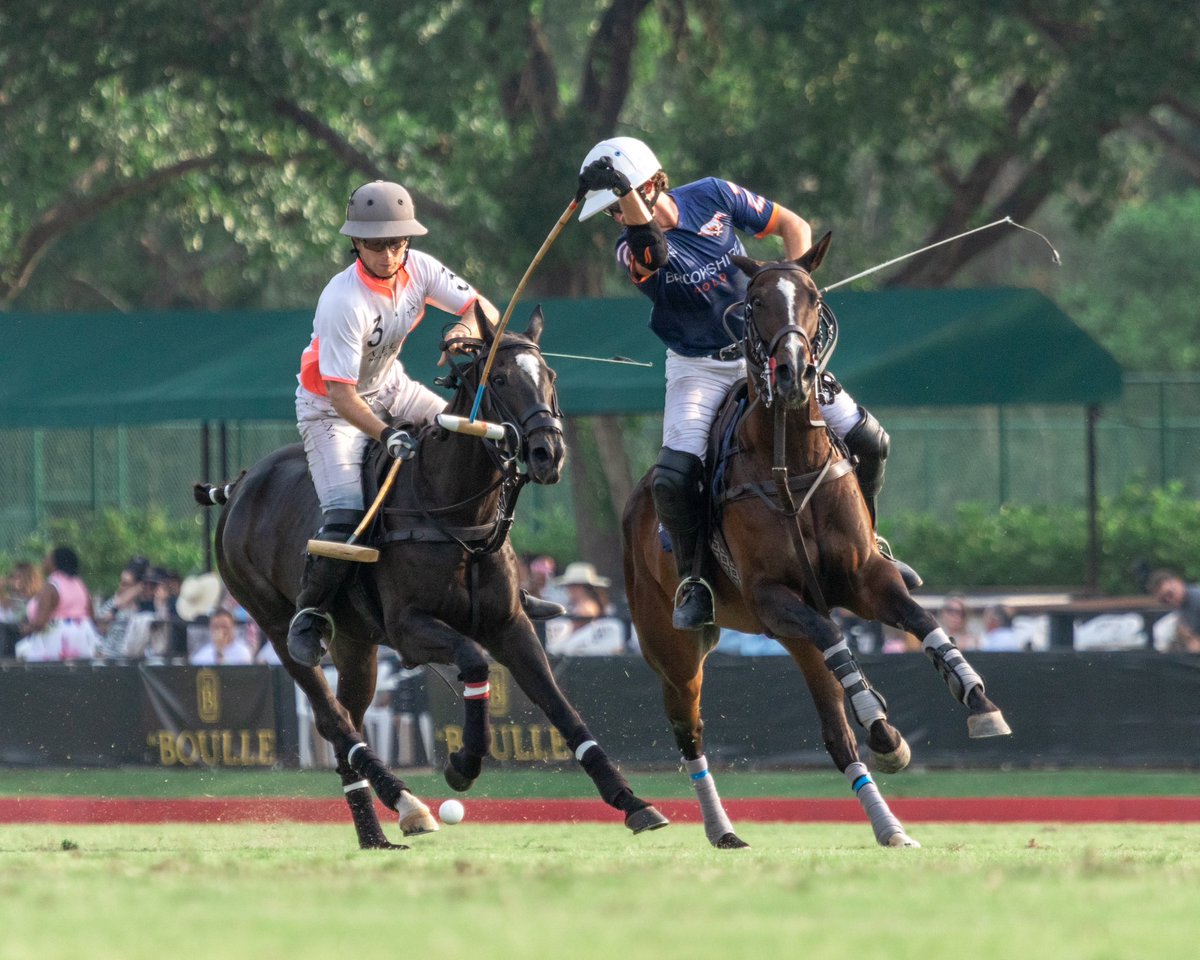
[(58, 809)]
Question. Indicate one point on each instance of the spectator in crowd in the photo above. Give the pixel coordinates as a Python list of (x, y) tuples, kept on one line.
[(588, 629), (224, 646), (998, 633), (24, 582), (1169, 589), (116, 617), (541, 582), (60, 618), (953, 619)]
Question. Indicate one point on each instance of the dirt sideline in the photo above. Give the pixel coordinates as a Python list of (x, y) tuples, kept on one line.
[(104, 810)]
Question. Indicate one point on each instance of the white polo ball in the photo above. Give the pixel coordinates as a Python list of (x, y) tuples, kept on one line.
[(451, 811)]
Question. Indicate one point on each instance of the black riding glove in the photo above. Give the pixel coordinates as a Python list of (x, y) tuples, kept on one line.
[(399, 444), (602, 175)]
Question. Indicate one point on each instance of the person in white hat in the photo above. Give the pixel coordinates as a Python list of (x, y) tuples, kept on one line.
[(352, 383), (676, 247)]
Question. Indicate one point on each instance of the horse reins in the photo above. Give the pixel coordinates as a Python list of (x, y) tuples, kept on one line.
[(760, 360)]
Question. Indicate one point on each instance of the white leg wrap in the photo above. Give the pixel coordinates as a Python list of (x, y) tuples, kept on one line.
[(583, 748), (883, 821), (716, 823), (951, 664)]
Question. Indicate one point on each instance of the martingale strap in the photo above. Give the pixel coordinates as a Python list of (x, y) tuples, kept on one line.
[(769, 493)]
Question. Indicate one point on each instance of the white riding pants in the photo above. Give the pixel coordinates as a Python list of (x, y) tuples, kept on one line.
[(697, 385), (336, 449)]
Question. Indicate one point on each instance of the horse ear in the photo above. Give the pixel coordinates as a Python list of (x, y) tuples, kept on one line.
[(537, 323), (486, 330), (816, 253), (748, 265)]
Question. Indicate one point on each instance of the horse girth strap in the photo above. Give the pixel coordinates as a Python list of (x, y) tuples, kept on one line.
[(430, 534)]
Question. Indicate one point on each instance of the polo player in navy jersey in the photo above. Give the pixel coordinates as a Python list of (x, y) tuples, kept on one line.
[(676, 246)]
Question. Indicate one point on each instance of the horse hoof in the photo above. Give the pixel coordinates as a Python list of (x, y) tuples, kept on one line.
[(730, 841), (901, 839), (990, 724), (892, 762), (645, 819), (458, 782), (415, 817), (383, 843)]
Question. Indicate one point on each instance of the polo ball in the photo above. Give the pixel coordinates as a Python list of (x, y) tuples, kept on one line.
[(451, 811)]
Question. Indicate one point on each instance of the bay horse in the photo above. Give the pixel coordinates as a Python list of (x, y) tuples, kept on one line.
[(793, 538), (445, 588)]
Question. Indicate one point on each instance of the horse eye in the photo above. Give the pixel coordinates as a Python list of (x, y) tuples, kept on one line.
[(499, 380)]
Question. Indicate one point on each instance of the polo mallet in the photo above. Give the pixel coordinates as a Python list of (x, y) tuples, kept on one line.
[(351, 550), (1055, 259), (537, 258)]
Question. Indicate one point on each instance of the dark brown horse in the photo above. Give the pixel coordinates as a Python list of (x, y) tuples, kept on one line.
[(795, 539), (445, 587)]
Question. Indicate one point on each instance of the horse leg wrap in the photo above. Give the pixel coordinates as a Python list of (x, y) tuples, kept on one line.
[(883, 821), (868, 705), (716, 823), (477, 726), (614, 789), (367, 765), (362, 810), (951, 664)]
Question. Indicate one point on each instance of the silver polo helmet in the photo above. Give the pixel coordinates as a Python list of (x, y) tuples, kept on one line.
[(381, 209)]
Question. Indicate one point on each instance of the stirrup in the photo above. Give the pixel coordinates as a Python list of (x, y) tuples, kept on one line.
[(884, 547), (320, 615), (911, 578), (683, 594)]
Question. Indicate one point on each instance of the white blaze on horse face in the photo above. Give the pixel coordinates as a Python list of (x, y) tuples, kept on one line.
[(529, 363), (788, 289)]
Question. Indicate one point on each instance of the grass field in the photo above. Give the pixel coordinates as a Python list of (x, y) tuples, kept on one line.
[(597, 893)]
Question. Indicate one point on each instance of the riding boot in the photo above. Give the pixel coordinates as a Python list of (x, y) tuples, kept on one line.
[(678, 491), (319, 585), (868, 442), (538, 609)]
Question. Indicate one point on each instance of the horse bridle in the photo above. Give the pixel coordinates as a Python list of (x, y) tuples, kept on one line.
[(524, 424), (760, 352)]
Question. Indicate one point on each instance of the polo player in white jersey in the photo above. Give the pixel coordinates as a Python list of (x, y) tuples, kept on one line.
[(352, 384)]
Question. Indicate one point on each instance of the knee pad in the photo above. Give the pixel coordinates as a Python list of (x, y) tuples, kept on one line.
[(869, 442), (675, 485), (338, 525)]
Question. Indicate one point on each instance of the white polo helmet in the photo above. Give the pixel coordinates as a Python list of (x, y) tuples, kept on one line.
[(381, 209), (632, 157)]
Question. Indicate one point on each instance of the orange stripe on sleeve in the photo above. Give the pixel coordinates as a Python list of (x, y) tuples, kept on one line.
[(770, 227)]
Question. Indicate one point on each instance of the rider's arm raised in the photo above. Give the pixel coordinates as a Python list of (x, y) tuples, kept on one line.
[(794, 229)]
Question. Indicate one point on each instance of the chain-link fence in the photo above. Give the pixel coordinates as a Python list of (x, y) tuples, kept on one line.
[(940, 456)]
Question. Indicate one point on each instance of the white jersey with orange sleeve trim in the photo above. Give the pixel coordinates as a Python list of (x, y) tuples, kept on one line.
[(360, 324)]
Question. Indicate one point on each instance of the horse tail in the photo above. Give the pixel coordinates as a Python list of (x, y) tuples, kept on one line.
[(207, 494)]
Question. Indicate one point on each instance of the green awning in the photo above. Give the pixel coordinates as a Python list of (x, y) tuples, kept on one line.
[(897, 347)]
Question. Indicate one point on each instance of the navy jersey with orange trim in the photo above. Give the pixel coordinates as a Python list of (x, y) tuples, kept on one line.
[(698, 282)]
